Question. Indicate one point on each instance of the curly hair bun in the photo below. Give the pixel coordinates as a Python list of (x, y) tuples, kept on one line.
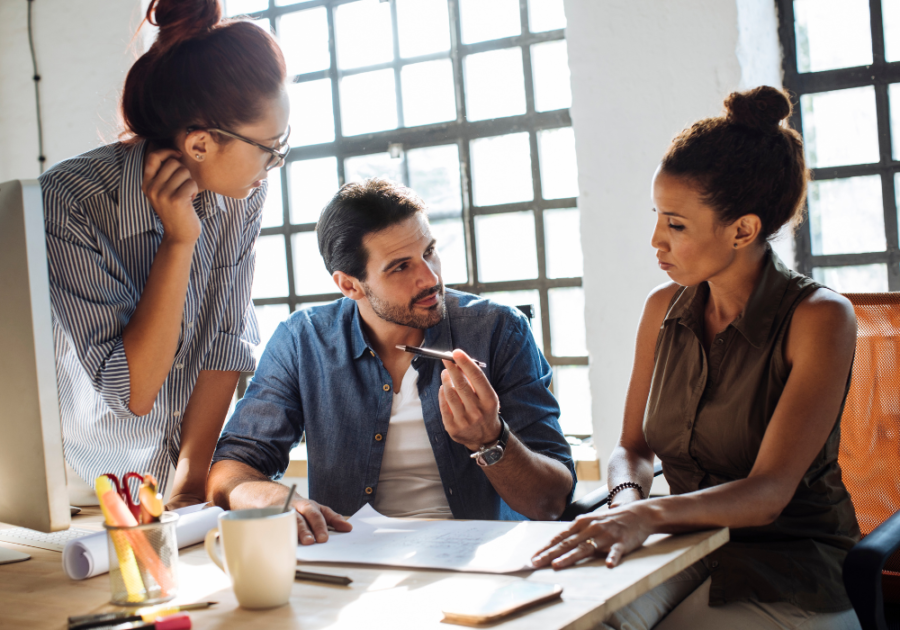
[(761, 108), (180, 20)]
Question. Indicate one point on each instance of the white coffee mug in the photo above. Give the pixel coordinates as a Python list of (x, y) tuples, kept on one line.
[(260, 554)]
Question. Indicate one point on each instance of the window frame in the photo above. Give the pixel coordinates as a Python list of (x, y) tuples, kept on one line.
[(459, 132), (879, 74)]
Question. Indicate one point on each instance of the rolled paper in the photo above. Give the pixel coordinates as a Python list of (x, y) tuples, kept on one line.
[(131, 576), (87, 557)]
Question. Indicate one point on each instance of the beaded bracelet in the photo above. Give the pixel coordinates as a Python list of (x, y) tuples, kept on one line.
[(623, 486)]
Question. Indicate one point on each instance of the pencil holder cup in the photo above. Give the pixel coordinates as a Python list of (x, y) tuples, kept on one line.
[(143, 562)]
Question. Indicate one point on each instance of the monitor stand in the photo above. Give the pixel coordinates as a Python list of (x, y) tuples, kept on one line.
[(8, 556)]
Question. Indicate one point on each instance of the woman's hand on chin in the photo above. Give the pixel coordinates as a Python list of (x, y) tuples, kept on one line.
[(613, 532)]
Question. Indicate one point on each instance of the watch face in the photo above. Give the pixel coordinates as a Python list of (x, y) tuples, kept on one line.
[(492, 455)]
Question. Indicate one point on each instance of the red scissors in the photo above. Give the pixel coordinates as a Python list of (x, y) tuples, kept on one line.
[(123, 491)]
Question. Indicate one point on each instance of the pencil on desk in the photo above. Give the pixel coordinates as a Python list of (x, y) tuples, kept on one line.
[(322, 577)]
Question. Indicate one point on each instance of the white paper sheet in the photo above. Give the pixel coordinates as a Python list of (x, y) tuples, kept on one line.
[(473, 546), (88, 556)]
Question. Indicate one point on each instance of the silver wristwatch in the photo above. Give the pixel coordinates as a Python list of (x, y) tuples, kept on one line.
[(490, 455)]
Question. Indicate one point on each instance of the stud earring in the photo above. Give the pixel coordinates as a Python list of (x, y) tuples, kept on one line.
[(735, 245), (200, 157)]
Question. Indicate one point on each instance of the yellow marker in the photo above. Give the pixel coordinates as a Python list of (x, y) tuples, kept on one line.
[(127, 563)]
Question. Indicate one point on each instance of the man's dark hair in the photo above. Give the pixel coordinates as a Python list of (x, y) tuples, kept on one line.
[(358, 209)]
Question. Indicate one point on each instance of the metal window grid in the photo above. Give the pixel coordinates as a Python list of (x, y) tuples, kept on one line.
[(459, 132), (879, 74)]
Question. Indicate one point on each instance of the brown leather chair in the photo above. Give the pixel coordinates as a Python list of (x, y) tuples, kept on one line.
[(870, 460)]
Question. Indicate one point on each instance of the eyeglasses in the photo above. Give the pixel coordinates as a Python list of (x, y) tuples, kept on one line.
[(277, 155)]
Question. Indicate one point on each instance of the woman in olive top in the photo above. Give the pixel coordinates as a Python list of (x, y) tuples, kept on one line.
[(740, 373)]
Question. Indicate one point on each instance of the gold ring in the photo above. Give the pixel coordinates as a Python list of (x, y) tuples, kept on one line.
[(593, 544)]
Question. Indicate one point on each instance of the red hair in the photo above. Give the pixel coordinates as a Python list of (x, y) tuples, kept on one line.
[(201, 71)]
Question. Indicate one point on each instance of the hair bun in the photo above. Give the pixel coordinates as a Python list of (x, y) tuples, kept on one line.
[(180, 20), (761, 108)]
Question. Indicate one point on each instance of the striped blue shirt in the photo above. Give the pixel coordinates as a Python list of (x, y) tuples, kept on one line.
[(102, 236)]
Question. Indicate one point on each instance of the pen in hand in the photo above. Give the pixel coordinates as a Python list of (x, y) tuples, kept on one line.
[(436, 355)]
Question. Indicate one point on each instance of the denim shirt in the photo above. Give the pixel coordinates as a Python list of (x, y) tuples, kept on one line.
[(320, 375)]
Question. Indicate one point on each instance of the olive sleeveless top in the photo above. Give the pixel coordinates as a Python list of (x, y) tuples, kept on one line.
[(706, 417)]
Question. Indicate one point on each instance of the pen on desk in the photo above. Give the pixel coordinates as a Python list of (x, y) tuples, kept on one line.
[(322, 577), (147, 614), (436, 355), (174, 622)]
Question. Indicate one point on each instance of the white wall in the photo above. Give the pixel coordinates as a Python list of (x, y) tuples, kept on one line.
[(83, 52), (641, 71)]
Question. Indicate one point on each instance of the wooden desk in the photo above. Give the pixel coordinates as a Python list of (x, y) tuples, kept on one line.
[(37, 593)]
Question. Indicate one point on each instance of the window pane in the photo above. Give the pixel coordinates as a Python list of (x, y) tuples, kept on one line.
[(312, 115), (434, 175), (313, 184), (363, 34), (242, 7), (375, 165), (264, 23), (894, 98), (304, 40), (840, 127), (482, 20), (550, 64), (573, 391), (559, 170), (856, 279), (501, 169), (562, 238), (506, 247), (424, 27), (495, 84), (428, 94), (368, 102), (273, 210), (310, 275), (451, 245), (523, 298), (546, 15), (270, 278), (832, 34), (890, 9), (846, 216), (269, 316), (306, 305), (567, 334)]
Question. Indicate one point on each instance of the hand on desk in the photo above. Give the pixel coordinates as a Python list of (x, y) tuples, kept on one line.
[(615, 532), (314, 519)]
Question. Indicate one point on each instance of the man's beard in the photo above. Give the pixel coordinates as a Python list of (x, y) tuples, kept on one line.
[(409, 315)]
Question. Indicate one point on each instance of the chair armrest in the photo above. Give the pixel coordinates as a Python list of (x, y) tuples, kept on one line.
[(595, 499), (862, 572)]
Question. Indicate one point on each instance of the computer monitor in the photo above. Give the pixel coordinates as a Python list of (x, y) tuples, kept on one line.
[(33, 491)]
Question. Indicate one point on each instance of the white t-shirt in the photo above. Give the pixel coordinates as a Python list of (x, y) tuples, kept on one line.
[(409, 484)]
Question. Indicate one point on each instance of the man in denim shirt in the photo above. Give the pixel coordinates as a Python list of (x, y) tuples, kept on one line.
[(410, 435)]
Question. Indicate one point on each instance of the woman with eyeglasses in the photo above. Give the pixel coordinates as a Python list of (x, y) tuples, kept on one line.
[(150, 242)]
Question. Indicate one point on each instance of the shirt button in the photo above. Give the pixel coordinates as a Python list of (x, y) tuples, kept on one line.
[(369, 490), (378, 437), (450, 490), (178, 366), (191, 324), (714, 564), (372, 353), (719, 342), (386, 387), (177, 413)]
